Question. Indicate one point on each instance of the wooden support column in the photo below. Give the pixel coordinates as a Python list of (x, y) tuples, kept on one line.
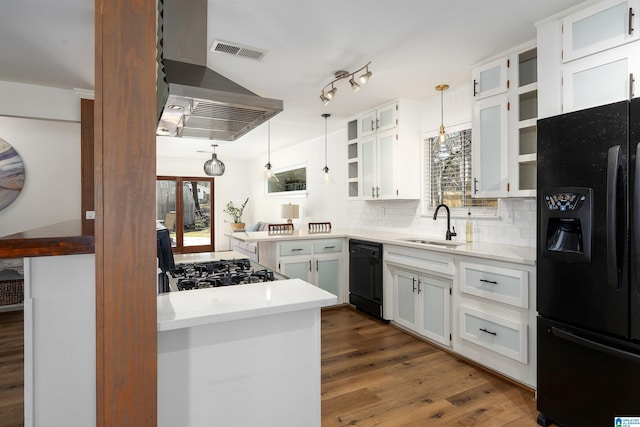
[(125, 242)]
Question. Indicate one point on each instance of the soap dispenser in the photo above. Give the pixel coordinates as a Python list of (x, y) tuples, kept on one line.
[(469, 234)]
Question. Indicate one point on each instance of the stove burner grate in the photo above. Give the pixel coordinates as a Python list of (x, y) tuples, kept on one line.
[(219, 273)]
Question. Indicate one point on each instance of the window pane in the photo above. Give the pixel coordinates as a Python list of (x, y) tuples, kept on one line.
[(288, 180), (449, 179), (166, 206), (196, 213)]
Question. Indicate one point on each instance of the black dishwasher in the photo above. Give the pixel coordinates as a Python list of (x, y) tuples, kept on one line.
[(365, 276)]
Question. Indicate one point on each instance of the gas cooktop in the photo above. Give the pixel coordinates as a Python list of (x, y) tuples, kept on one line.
[(212, 274)]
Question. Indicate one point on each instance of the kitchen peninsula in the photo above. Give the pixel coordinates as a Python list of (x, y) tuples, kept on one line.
[(218, 348), (241, 355)]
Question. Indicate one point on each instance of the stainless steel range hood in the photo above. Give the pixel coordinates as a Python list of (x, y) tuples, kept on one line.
[(196, 101)]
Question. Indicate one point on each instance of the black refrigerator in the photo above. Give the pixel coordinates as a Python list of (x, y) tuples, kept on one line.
[(588, 266)]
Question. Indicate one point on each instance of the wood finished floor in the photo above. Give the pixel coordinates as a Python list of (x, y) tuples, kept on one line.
[(11, 369), (374, 374)]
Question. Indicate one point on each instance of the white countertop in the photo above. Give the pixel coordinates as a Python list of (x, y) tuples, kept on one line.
[(185, 309), (517, 254)]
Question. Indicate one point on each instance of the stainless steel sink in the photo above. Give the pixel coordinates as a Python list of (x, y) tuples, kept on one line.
[(443, 243)]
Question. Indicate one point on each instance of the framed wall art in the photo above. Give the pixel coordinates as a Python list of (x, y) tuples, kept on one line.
[(11, 174)]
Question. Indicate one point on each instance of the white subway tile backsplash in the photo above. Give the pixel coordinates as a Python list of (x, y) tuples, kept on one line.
[(516, 226)]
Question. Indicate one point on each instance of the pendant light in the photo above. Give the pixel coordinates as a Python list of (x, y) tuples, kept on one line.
[(268, 173), (214, 167), (442, 134), (326, 178)]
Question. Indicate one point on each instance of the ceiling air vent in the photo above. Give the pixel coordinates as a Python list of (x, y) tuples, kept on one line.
[(237, 49)]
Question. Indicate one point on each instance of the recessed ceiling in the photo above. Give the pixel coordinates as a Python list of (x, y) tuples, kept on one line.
[(413, 45)]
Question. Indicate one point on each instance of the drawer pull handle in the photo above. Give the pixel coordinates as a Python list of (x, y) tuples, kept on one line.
[(488, 332), (414, 284), (489, 281), (297, 249), (329, 247)]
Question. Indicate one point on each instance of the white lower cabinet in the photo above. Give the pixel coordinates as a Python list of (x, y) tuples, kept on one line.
[(320, 263), (421, 283), (495, 317), (422, 304)]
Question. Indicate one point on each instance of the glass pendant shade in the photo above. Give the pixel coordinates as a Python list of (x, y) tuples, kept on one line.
[(268, 173), (326, 178), (214, 167)]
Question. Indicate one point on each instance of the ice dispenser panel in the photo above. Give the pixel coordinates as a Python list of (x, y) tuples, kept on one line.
[(566, 221)]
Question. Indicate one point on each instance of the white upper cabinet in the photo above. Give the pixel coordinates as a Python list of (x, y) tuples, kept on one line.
[(600, 79), (591, 57), (490, 147), (505, 129), (604, 25), (384, 118), (490, 79), (385, 163)]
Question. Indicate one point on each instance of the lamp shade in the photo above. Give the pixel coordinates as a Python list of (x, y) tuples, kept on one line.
[(290, 212)]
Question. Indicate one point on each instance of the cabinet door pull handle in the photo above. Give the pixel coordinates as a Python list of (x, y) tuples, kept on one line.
[(631, 82), (329, 247), (414, 284), (419, 283), (488, 332), (296, 249), (475, 186), (372, 128), (631, 14), (373, 192), (317, 268), (378, 192), (475, 86), (489, 281), (309, 265)]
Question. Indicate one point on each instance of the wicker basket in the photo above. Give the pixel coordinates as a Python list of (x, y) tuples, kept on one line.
[(11, 292)]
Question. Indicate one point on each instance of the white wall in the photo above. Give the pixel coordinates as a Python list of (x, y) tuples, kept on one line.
[(50, 150), (323, 202)]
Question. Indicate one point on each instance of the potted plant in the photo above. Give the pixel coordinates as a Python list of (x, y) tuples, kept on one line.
[(236, 214)]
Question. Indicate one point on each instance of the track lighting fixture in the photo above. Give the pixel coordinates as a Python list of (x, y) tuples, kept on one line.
[(327, 94)]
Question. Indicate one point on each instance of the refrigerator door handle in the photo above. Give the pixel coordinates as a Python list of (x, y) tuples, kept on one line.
[(593, 345), (613, 165), (635, 241)]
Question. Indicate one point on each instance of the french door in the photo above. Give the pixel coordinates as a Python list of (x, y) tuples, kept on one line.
[(183, 205)]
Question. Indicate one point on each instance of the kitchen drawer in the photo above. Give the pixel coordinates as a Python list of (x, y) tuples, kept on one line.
[(424, 260), (295, 248), (327, 246), (505, 285), (503, 336)]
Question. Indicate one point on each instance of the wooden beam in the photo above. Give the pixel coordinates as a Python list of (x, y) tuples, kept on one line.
[(126, 278)]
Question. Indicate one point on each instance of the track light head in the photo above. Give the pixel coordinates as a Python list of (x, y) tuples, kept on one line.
[(364, 78), (330, 94), (354, 85), (324, 99)]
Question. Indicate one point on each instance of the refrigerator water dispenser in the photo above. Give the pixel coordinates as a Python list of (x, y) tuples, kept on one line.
[(566, 221)]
